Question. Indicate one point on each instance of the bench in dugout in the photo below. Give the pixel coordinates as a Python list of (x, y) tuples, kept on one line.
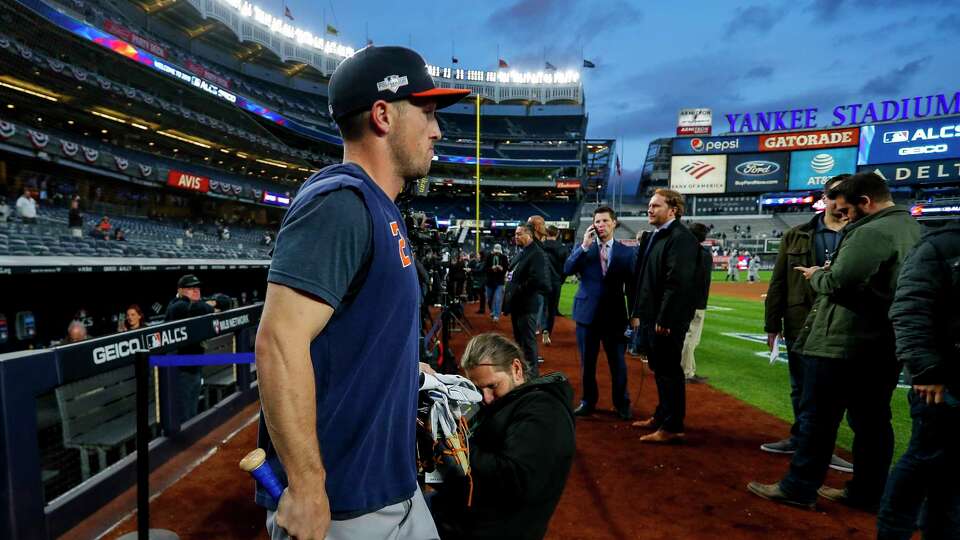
[(221, 380), (100, 414)]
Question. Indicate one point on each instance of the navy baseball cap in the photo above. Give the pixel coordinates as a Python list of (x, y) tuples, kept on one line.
[(387, 73), (188, 280)]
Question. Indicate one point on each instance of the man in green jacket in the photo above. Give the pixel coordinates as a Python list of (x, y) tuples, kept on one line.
[(848, 346), (790, 297)]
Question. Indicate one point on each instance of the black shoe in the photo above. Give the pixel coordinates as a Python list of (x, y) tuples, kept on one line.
[(583, 410), (696, 379), (772, 492), (786, 446), (837, 463), (842, 496), (625, 413)]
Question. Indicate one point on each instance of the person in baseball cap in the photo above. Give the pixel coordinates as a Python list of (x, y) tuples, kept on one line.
[(384, 73), (188, 281), (343, 247)]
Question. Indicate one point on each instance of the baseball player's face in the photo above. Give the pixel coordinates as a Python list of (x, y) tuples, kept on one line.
[(412, 143), (494, 383)]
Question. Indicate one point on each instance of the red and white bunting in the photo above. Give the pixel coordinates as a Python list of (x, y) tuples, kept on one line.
[(90, 154), (69, 148), (7, 129), (38, 139)]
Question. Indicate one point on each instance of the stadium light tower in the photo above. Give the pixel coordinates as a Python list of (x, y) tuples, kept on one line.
[(477, 218)]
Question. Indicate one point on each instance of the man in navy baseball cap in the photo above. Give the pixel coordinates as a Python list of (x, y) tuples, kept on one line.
[(339, 400), (384, 73)]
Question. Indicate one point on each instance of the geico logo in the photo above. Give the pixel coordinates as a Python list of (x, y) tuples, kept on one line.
[(114, 351), (914, 150)]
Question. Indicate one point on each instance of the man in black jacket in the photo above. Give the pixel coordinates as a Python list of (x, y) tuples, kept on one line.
[(556, 255), (701, 281), (521, 449), (526, 281), (188, 303), (663, 308), (924, 316)]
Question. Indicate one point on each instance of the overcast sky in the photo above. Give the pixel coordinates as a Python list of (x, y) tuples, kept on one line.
[(655, 57)]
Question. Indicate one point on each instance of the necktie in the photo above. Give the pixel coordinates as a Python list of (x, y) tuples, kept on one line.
[(603, 258)]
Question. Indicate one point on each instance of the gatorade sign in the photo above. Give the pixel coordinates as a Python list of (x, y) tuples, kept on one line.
[(192, 182), (810, 139)]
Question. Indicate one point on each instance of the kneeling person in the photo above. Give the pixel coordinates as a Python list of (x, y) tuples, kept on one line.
[(521, 448)]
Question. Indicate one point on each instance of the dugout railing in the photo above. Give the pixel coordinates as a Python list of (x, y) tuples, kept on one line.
[(81, 400)]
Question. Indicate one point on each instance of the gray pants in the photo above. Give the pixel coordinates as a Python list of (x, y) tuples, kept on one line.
[(409, 519)]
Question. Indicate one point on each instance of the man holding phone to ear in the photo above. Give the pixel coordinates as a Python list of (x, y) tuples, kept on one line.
[(605, 266)]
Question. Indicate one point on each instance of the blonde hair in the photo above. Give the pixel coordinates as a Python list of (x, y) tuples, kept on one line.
[(491, 349), (673, 200)]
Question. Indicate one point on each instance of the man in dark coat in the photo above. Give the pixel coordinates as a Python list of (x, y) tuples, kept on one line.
[(701, 280), (521, 449), (663, 308), (526, 282), (925, 321), (556, 255), (188, 303)]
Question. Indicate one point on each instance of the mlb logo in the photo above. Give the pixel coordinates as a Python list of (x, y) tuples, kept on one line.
[(216, 326), (153, 340), (896, 136)]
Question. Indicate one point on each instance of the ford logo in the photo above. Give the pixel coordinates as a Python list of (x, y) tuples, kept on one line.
[(757, 168)]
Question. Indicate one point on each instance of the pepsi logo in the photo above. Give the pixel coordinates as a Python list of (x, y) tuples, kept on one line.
[(696, 144)]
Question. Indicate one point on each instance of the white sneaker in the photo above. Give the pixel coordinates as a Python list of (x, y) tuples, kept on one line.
[(546, 337)]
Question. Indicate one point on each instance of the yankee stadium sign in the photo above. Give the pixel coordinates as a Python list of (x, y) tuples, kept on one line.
[(852, 114)]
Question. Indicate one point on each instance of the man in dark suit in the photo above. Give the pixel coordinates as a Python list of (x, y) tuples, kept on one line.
[(605, 267), (663, 308), (556, 255), (526, 281)]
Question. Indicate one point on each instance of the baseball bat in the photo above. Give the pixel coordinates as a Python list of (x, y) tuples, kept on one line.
[(256, 464)]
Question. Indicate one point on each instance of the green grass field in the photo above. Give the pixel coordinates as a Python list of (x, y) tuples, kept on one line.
[(733, 367)]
